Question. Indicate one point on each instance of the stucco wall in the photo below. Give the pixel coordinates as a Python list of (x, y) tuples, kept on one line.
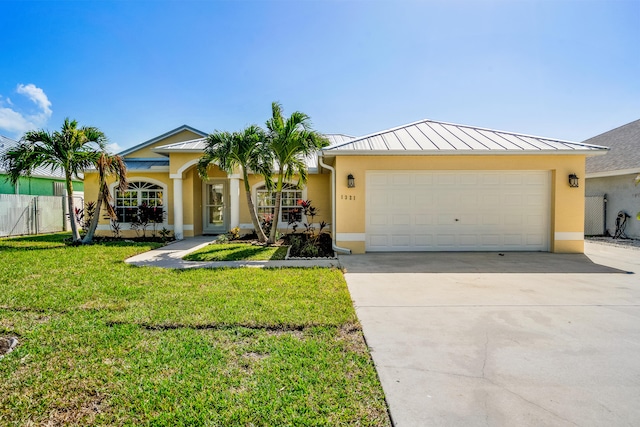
[(91, 193), (622, 195), (318, 190), (567, 204)]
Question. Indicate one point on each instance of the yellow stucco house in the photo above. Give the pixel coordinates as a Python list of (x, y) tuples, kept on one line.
[(425, 186)]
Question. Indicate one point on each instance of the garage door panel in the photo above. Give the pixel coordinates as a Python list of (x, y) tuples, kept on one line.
[(378, 220), (445, 180), (378, 180), (400, 180), (404, 219), (401, 240), (378, 200), (534, 239), (492, 240), (495, 210), (468, 240), (469, 180), (510, 179), (378, 240), (423, 240), (469, 219), (423, 180)]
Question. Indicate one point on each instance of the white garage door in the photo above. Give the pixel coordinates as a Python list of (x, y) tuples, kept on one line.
[(457, 210)]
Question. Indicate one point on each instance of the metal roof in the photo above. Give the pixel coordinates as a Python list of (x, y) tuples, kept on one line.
[(193, 145), (432, 137), (338, 138), (163, 136), (40, 172), (198, 146), (624, 151)]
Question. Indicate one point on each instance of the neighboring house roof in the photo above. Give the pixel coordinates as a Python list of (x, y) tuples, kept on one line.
[(624, 152), (428, 137), (40, 172), (161, 137)]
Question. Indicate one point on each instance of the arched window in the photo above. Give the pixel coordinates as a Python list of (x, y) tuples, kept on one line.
[(266, 201), (139, 193)]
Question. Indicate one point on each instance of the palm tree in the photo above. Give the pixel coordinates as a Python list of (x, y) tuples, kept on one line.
[(290, 141), (70, 149), (106, 165), (245, 149)]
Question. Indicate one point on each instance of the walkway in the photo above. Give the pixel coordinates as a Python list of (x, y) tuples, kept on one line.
[(170, 256)]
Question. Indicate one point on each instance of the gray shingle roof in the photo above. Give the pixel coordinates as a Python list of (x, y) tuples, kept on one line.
[(41, 172), (431, 137), (624, 150)]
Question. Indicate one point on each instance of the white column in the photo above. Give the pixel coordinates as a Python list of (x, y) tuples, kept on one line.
[(234, 202), (178, 226)]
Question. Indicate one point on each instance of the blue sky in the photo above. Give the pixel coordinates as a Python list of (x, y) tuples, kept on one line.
[(136, 69)]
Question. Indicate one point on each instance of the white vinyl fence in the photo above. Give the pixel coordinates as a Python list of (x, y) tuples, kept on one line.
[(20, 215)]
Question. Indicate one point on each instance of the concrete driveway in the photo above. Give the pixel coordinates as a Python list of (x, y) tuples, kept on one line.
[(522, 339)]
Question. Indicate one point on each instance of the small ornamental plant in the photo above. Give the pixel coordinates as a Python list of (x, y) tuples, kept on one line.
[(314, 241)]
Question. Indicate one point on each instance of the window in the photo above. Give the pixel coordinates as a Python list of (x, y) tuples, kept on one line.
[(139, 193), (266, 202)]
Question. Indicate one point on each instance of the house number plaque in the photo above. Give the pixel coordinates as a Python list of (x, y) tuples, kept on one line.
[(347, 197)]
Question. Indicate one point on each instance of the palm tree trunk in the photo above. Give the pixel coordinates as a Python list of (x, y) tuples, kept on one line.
[(262, 238), (276, 212), (75, 234), (93, 225)]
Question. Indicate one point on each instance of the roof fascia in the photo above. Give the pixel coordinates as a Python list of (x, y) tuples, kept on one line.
[(618, 172), (176, 150)]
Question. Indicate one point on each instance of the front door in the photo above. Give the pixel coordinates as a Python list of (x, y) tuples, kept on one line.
[(215, 207)]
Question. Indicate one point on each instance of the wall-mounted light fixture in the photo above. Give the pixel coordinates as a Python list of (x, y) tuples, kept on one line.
[(351, 182), (573, 181)]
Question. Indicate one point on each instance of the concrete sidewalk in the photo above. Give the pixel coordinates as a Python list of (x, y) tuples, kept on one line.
[(170, 256)]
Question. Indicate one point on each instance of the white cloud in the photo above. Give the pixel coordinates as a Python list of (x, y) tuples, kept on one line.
[(18, 122), (114, 147)]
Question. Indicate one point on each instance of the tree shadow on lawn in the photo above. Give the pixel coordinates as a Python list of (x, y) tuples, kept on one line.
[(242, 252), (57, 241)]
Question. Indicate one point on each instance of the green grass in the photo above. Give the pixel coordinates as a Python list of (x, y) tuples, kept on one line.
[(237, 252), (104, 343)]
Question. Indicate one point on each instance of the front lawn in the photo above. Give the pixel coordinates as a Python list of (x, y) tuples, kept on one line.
[(237, 252), (105, 343)]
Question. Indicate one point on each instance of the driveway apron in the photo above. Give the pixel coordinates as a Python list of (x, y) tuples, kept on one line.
[(513, 339)]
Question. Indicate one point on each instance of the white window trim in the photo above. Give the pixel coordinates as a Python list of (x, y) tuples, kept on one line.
[(281, 224), (112, 190)]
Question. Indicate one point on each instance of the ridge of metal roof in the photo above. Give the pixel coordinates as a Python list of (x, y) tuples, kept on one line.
[(453, 138), (160, 137)]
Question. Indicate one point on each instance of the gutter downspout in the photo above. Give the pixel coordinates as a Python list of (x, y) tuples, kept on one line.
[(333, 207)]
